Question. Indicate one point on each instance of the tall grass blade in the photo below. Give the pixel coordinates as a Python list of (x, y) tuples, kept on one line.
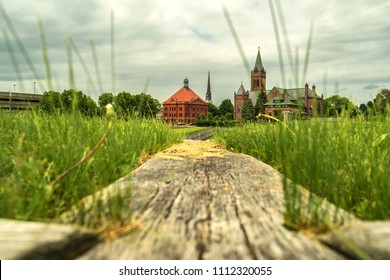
[(279, 45), (70, 64), (97, 68), (21, 47), (14, 61), (308, 49), (236, 39), (45, 56), (112, 53), (325, 84), (286, 39), (146, 86), (296, 67), (83, 64)]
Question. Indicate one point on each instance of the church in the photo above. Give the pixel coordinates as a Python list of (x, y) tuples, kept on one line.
[(280, 101)]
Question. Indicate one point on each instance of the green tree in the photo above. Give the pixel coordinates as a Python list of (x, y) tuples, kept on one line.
[(124, 103), (335, 105), (248, 111), (382, 101), (363, 109), (260, 103), (146, 105), (105, 98), (213, 110), (226, 107), (50, 102)]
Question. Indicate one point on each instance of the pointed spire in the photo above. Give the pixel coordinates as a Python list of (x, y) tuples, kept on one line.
[(259, 63), (208, 93), (241, 90)]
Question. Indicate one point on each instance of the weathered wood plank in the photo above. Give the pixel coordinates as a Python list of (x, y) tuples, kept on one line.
[(366, 240), (32, 240), (197, 201), (202, 135)]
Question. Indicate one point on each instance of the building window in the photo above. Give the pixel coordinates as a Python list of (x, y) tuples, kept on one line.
[(180, 108)]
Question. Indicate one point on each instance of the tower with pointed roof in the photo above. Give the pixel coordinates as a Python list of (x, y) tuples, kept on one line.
[(208, 92), (258, 84), (240, 98), (258, 75)]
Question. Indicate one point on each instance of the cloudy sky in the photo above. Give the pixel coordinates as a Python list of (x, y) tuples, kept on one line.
[(159, 42)]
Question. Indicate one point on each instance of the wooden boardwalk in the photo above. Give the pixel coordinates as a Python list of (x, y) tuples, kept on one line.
[(196, 200)]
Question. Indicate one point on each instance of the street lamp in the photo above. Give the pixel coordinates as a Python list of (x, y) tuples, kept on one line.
[(34, 86), (14, 88)]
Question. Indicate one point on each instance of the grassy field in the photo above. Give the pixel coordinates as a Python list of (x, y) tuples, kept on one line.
[(346, 161), (35, 149)]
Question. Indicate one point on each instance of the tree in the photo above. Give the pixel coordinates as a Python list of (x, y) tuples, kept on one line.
[(50, 102), (226, 107), (363, 109), (260, 103), (382, 101), (248, 111), (146, 105), (69, 100), (213, 110), (335, 105), (124, 103), (105, 98)]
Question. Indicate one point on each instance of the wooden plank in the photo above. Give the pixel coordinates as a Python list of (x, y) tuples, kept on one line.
[(365, 240), (198, 201), (41, 241), (202, 135)]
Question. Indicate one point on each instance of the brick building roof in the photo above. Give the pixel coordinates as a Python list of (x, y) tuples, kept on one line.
[(185, 94)]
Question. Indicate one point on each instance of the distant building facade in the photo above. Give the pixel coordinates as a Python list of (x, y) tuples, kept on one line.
[(280, 101), (184, 106)]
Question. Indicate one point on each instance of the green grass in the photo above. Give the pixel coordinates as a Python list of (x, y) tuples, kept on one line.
[(344, 160), (36, 148)]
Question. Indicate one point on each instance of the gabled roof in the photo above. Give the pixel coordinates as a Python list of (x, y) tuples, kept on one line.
[(184, 95), (295, 93)]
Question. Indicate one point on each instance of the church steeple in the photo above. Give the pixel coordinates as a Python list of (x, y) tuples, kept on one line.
[(258, 75), (259, 64), (208, 93)]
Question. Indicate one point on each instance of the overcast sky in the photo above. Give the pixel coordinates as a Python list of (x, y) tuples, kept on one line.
[(159, 43)]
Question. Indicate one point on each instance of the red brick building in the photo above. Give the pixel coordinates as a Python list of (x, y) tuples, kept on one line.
[(184, 106), (280, 101)]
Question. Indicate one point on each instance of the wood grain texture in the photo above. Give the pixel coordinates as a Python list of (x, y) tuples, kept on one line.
[(198, 201), (365, 240), (41, 241)]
